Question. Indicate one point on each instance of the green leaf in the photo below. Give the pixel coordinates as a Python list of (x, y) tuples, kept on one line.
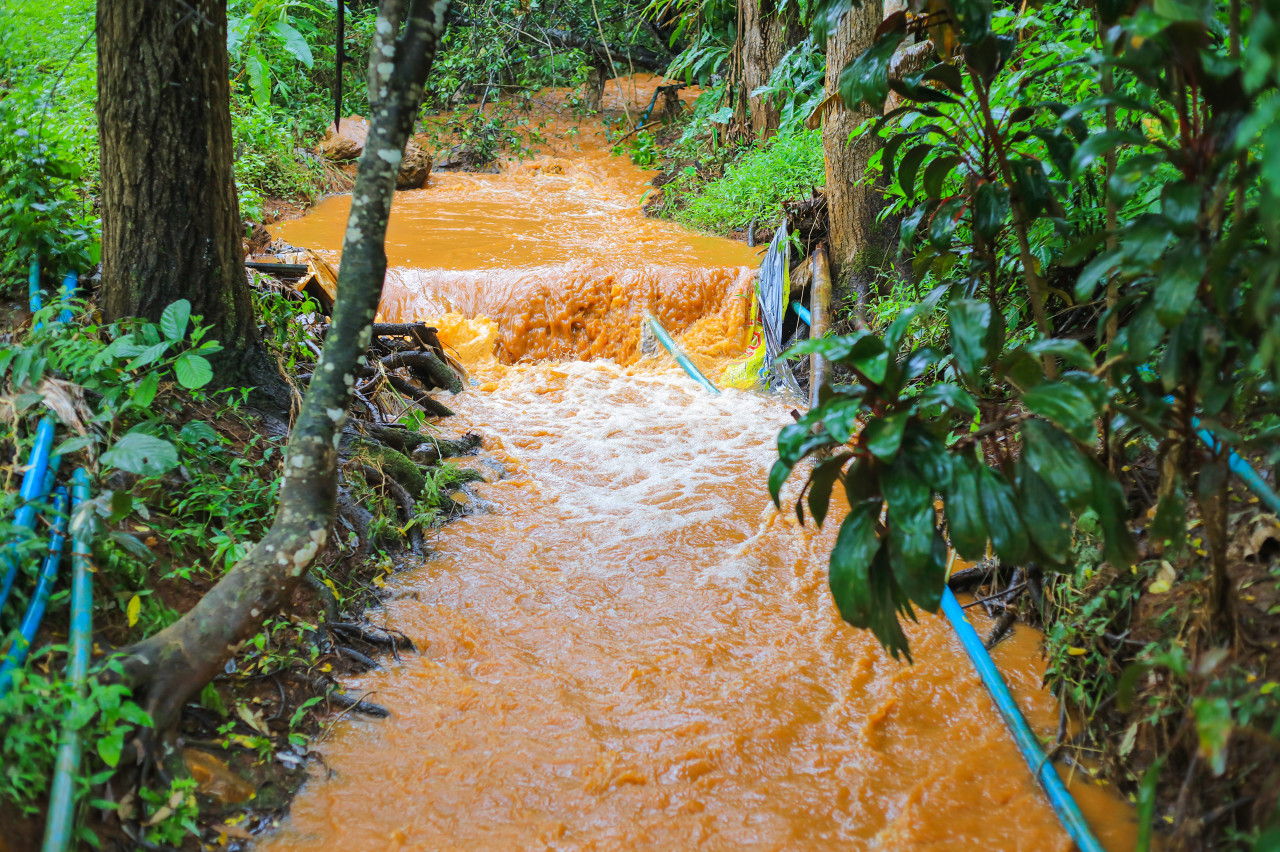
[(1060, 462), (866, 78), (193, 371), (963, 506), (149, 355), (1046, 518), (1066, 405), (883, 435), (1000, 511), (851, 558), (1107, 498), (259, 84), (909, 166), (294, 42), (173, 322), (969, 319), (111, 745), (198, 431), (1070, 351), (143, 454), (1178, 283), (910, 512), (145, 392), (1098, 144), (950, 397), (821, 482), (937, 172), (945, 221), (72, 445), (991, 209)]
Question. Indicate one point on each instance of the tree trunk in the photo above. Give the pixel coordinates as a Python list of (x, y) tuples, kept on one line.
[(170, 667), (171, 224), (767, 34), (858, 243)]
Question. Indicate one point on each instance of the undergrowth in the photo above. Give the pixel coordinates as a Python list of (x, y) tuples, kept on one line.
[(753, 186)]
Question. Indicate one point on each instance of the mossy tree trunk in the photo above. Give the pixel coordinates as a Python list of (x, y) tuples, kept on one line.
[(858, 245), (171, 224), (172, 666)]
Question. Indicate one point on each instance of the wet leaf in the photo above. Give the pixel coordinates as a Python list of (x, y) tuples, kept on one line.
[(1046, 519), (969, 319), (821, 482), (937, 172), (883, 435), (1066, 405), (1000, 511), (991, 209), (910, 517), (850, 568), (965, 526)]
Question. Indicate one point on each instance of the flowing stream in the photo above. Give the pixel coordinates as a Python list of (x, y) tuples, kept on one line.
[(631, 649)]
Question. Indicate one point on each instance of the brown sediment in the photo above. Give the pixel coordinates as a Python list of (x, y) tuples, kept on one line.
[(634, 650)]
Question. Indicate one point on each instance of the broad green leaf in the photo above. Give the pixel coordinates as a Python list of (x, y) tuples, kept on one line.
[(910, 518), (930, 456), (821, 482), (949, 396), (149, 355), (1059, 461), (945, 221), (1046, 518), (259, 83), (110, 747), (887, 600), (866, 78), (145, 392), (937, 172), (991, 209), (909, 166), (883, 435), (193, 371), (294, 42), (969, 319), (1107, 498), (73, 445), (1175, 289), (840, 417), (850, 568), (1070, 351), (1066, 405), (198, 431), (174, 319), (1000, 511), (143, 454), (963, 506)]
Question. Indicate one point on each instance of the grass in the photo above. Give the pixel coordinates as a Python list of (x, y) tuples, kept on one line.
[(753, 186)]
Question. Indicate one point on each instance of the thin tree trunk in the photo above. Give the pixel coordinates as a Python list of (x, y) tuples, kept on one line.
[(171, 224), (174, 664), (858, 243), (767, 34)]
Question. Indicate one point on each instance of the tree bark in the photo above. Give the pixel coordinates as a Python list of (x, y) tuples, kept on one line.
[(858, 243), (767, 34), (171, 224), (170, 667)]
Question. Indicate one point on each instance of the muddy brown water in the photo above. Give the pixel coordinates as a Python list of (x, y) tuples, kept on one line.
[(633, 649)]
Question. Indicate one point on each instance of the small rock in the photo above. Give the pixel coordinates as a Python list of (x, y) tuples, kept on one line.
[(345, 142), (415, 169)]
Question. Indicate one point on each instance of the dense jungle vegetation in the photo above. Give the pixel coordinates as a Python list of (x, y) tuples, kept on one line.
[(1049, 226)]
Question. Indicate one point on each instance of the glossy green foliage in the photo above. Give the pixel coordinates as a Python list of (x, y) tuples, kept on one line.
[(910, 427), (1003, 157)]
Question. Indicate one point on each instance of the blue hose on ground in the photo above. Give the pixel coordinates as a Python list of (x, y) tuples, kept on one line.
[(1240, 468), (1063, 805), (33, 286), (17, 654), (36, 483), (665, 339), (60, 823)]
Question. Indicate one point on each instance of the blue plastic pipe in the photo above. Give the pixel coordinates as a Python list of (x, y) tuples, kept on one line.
[(17, 654), (1240, 468), (70, 286), (1063, 805), (60, 823), (802, 312), (33, 286), (681, 358), (36, 483)]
